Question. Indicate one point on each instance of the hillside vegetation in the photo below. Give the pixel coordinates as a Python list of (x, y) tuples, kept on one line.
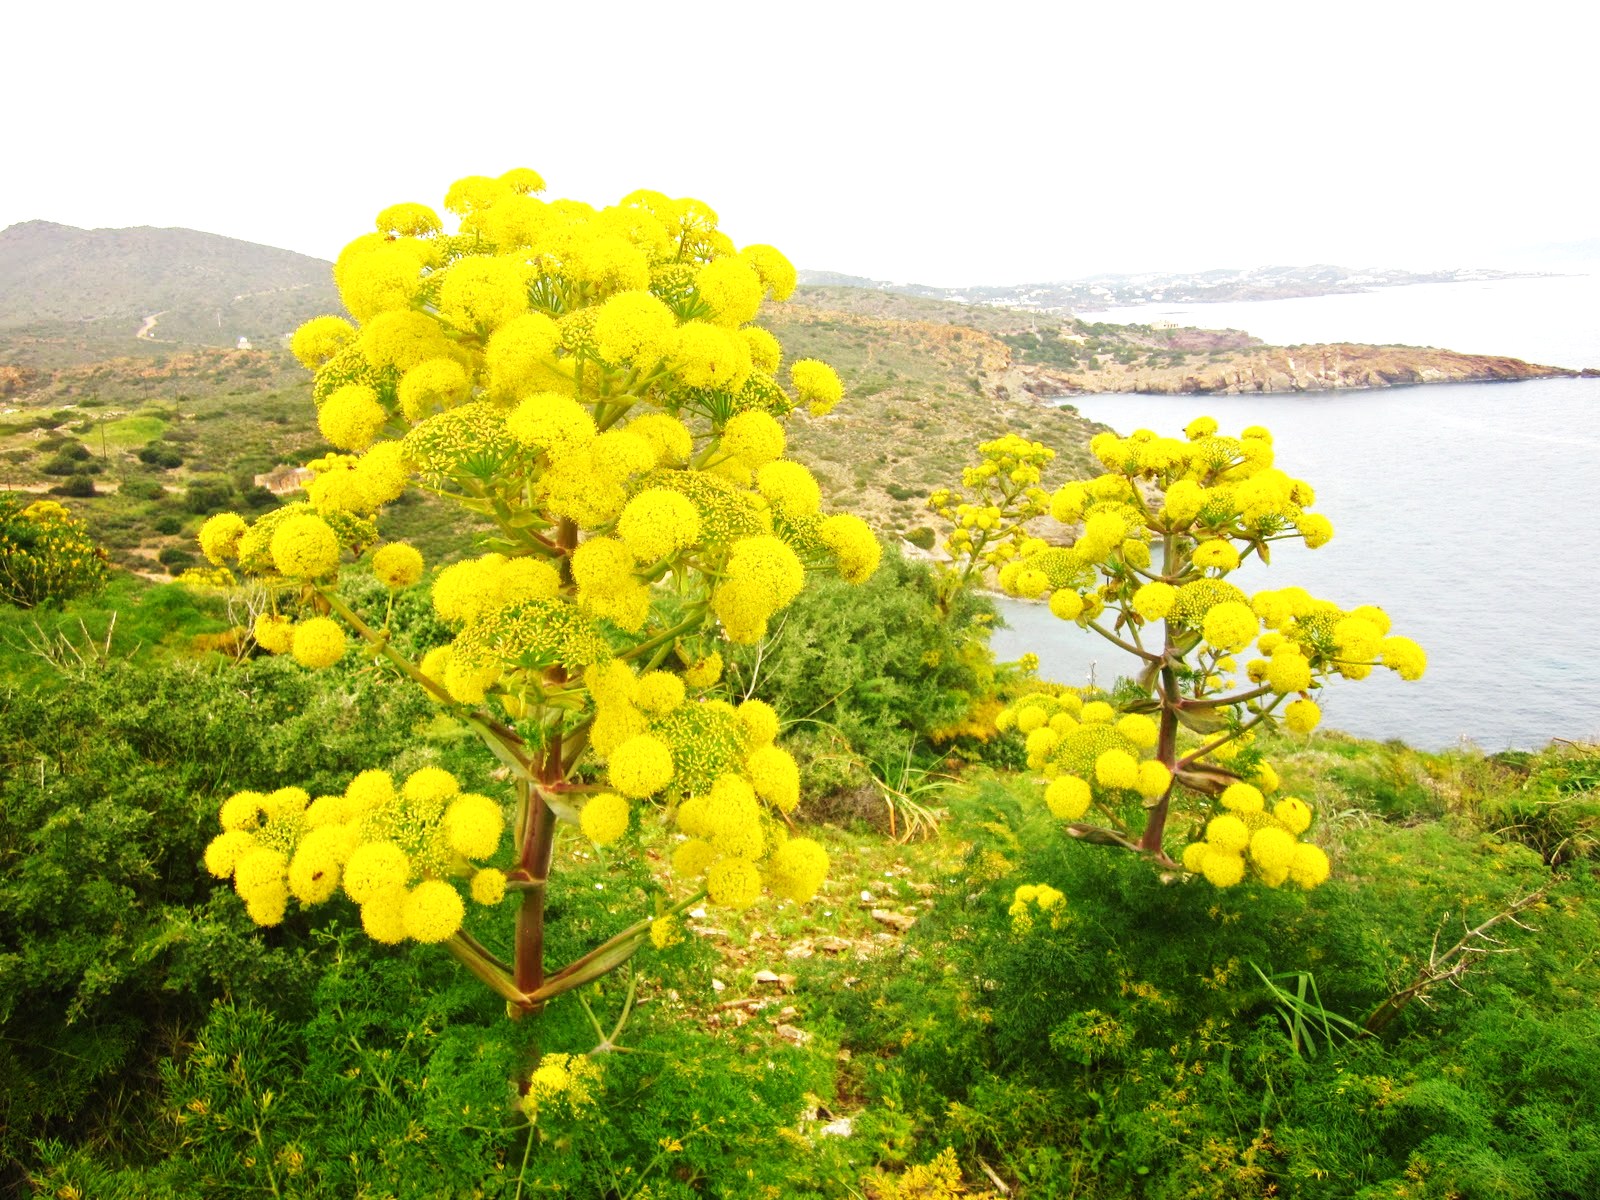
[(60, 286)]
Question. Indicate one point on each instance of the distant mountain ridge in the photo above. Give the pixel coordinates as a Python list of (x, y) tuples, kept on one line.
[(206, 288), (1115, 291)]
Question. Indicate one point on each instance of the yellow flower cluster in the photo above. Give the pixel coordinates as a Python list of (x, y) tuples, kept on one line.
[(296, 541), (395, 851), (1249, 838), (719, 765), (1086, 752), (565, 1082), (1041, 899)]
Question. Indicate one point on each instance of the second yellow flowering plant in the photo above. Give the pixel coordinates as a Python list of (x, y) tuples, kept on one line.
[(1157, 535), (587, 383)]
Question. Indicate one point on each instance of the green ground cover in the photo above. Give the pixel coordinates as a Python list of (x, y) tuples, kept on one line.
[(1152, 1037)]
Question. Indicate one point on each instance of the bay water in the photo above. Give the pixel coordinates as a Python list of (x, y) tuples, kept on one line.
[(1461, 509)]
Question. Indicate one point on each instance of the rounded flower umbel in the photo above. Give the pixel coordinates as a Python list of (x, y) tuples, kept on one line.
[(1156, 537)]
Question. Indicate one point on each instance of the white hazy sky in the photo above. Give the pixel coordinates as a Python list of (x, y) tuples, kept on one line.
[(992, 142)]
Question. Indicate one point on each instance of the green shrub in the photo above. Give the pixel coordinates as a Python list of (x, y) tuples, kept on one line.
[(874, 660), (208, 495), (76, 486), (1121, 1044), (115, 941)]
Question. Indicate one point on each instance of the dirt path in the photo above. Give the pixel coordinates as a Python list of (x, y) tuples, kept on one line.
[(149, 324)]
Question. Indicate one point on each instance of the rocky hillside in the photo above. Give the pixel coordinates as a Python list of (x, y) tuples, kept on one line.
[(176, 286)]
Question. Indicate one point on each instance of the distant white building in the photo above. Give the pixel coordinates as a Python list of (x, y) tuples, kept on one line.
[(244, 344)]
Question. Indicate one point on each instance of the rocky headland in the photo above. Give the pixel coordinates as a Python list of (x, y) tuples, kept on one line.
[(1260, 369)]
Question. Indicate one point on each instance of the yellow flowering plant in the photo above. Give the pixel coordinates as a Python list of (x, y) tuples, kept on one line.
[(586, 382), (1156, 536), (45, 553)]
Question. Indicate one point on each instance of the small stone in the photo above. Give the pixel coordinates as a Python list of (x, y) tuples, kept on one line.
[(893, 919), (717, 985), (840, 1127)]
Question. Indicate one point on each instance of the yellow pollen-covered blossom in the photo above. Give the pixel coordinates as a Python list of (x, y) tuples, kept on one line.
[(1230, 626), (705, 356), (1117, 769), (855, 549), (1222, 869), (657, 523), (634, 327), (1315, 528), (1309, 865), (319, 339), (1216, 554), (1242, 797), (1184, 500), (691, 859), (473, 824), (556, 424), (1153, 601), (273, 633), (1154, 779), (1067, 605), (754, 437), (409, 220), (1288, 671), (219, 537), (733, 883), (760, 722), (659, 692), (223, 852), (488, 886), (777, 273), (1067, 797), (775, 777), (641, 766), (1272, 849), (430, 786), (437, 383), (704, 672), (1097, 712), (1302, 716), (304, 547), (313, 872), (604, 818), (318, 642), (383, 915), (797, 869), (1138, 729), (1293, 814), (351, 417), (731, 288), (1228, 832), (818, 385), (373, 869), (1404, 657), (665, 932), (766, 354), (433, 911), (397, 565), (668, 438), (790, 488), (518, 356), (482, 293)]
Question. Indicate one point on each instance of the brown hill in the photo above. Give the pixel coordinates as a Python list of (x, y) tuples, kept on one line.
[(61, 283)]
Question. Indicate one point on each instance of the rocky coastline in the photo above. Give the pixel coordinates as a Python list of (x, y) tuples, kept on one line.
[(1280, 369)]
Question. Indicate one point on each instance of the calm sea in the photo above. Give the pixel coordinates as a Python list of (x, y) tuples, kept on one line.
[(1461, 509)]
